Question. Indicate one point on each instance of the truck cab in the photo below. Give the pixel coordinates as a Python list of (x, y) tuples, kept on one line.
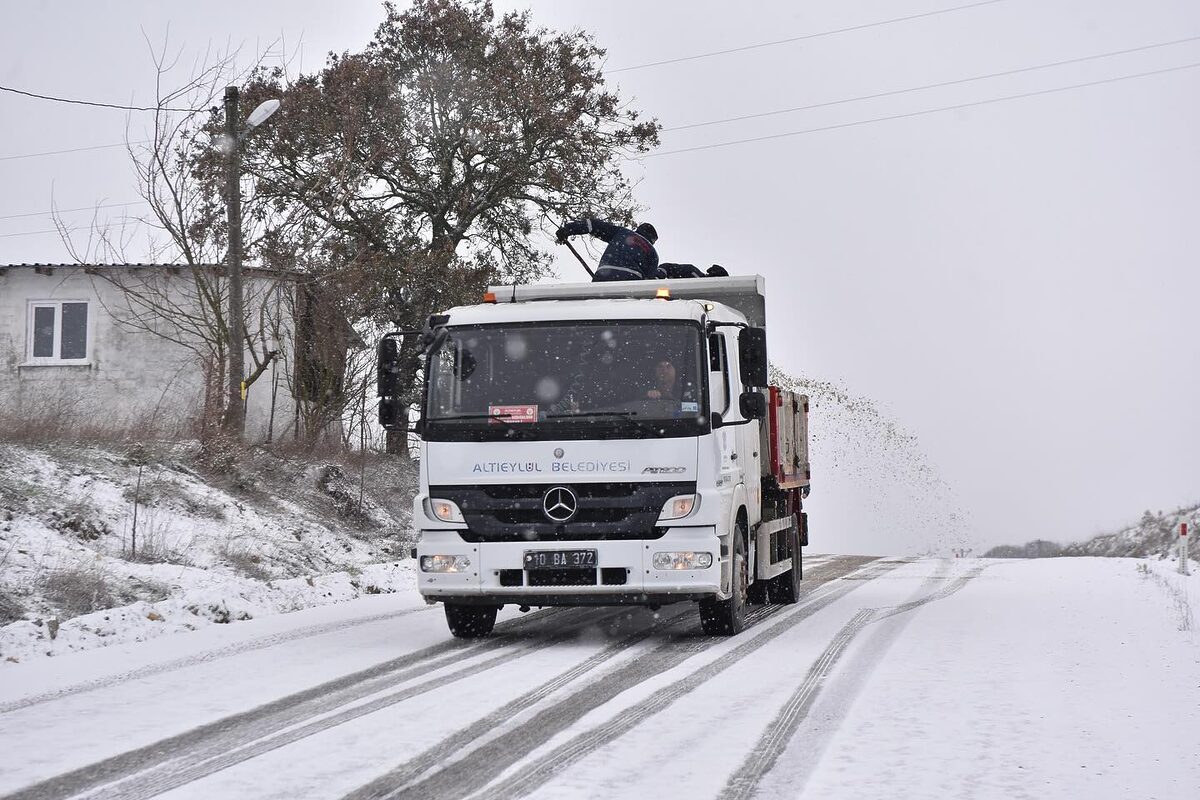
[(607, 444)]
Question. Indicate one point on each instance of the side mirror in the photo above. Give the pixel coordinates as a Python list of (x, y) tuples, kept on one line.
[(717, 420), (752, 356), (753, 405), (387, 370), (390, 416)]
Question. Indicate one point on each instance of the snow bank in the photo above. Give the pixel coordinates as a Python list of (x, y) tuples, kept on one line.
[(99, 546), (1060, 678)]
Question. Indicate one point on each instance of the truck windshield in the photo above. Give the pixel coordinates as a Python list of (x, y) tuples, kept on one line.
[(636, 379)]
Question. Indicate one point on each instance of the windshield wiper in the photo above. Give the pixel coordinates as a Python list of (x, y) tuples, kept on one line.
[(624, 416), (510, 426)]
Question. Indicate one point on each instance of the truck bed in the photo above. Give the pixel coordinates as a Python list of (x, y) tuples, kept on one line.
[(786, 434)]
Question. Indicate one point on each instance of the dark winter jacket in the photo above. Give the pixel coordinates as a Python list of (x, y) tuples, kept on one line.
[(628, 257), (682, 271)]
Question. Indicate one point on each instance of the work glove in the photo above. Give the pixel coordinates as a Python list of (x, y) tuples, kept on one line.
[(561, 235)]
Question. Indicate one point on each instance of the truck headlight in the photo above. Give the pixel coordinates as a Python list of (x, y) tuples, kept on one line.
[(680, 506), (445, 563), (445, 510), (682, 560)]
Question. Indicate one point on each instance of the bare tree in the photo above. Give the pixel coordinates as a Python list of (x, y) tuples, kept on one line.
[(398, 180), (183, 299), (427, 163)]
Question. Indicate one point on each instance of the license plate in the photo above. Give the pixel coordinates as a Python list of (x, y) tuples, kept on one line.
[(560, 559)]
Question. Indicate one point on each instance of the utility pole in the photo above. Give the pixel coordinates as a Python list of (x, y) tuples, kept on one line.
[(235, 412)]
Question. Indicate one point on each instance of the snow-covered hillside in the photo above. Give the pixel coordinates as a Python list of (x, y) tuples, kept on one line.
[(1156, 535), (1153, 535), (107, 544)]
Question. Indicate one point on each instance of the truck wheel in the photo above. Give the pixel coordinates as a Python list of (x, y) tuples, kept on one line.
[(728, 617), (785, 587), (470, 622)]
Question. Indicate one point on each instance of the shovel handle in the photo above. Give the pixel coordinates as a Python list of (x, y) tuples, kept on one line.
[(571, 247)]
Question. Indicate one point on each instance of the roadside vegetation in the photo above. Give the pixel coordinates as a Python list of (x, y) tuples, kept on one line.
[(93, 524), (1156, 535)]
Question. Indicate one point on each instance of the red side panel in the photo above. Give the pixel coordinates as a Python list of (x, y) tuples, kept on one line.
[(788, 434), (773, 403)]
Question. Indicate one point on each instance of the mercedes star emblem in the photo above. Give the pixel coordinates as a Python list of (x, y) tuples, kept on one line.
[(559, 452), (559, 504)]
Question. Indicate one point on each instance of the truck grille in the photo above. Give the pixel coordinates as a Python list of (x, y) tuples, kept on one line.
[(514, 513)]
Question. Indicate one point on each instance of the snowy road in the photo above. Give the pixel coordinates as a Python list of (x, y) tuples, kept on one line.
[(372, 699)]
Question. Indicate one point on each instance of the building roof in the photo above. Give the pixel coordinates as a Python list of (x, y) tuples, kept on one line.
[(49, 267)]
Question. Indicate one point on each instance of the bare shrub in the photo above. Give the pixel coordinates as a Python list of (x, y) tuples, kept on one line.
[(149, 590), (148, 494), (11, 608), (203, 508), (1175, 589), (245, 563), (334, 483), (80, 590), (77, 424), (80, 518), (153, 549), (317, 449)]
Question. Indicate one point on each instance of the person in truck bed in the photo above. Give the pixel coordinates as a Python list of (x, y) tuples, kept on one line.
[(692, 271), (681, 270), (630, 255)]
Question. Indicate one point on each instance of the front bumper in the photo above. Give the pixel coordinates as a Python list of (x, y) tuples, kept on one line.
[(643, 585)]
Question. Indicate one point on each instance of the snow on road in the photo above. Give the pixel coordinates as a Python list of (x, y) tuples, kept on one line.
[(930, 678), (1051, 678)]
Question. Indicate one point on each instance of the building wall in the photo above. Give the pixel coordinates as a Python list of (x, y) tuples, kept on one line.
[(133, 378)]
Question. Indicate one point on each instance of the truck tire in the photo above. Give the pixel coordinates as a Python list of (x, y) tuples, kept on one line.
[(728, 617), (470, 622), (785, 587)]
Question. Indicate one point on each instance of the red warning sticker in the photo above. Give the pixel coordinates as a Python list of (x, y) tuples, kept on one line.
[(514, 413)]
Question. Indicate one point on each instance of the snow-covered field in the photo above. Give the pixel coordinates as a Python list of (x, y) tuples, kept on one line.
[(1058, 678)]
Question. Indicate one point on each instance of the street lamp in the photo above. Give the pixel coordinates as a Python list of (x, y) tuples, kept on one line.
[(235, 415), (259, 115)]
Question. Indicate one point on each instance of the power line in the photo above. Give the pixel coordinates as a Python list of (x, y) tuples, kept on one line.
[(759, 115), (918, 113), (37, 96), (26, 233), (805, 37), (71, 150), (72, 210), (56, 230), (932, 85)]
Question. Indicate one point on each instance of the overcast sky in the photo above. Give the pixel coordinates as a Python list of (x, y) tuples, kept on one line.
[(1015, 283)]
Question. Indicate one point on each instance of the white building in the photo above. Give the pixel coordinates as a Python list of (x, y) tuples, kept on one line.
[(127, 347)]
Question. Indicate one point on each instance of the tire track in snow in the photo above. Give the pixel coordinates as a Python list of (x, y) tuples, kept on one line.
[(293, 709), (441, 754), (219, 755), (202, 658), (473, 775), (779, 733)]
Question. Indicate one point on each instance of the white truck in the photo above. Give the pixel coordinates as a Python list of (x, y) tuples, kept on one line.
[(606, 444)]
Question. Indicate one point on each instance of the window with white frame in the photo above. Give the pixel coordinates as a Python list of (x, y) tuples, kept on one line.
[(58, 332)]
